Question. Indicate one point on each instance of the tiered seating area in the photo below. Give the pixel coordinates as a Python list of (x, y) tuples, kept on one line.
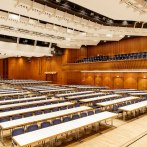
[(66, 114), (130, 56)]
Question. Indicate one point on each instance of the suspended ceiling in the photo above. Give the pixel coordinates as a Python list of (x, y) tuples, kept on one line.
[(117, 9), (32, 20)]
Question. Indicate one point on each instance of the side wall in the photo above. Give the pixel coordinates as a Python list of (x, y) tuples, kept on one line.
[(116, 80), (20, 68), (1, 68)]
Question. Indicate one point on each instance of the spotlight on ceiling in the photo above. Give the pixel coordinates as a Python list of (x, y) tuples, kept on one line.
[(58, 1), (91, 14), (109, 35), (104, 18), (83, 12), (124, 23), (109, 21)]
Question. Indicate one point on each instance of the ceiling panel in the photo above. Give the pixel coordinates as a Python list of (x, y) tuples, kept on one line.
[(113, 9)]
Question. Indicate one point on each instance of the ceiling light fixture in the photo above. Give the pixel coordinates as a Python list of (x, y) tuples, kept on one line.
[(109, 35)]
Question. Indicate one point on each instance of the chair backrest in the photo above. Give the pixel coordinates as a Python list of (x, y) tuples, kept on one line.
[(42, 104), (75, 116), (83, 114), (97, 111), (128, 103), (54, 102), (16, 108), (33, 105), (77, 105), (32, 128), (55, 109), (90, 112), (45, 124), (27, 114), (63, 108), (56, 121), (5, 110), (37, 112), (115, 107), (17, 131), (47, 111), (48, 103), (3, 119), (16, 117), (66, 119), (70, 107)]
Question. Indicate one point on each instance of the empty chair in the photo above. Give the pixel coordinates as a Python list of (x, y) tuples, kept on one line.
[(24, 107), (48, 103), (63, 108), (28, 114), (16, 108), (128, 103), (42, 104), (75, 116), (66, 119), (115, 107), (34, 105), (77, 105), (55, 109), (5, 110), (37, 112), (97, 111), (120, 105), (83, 114), (32, 128), (3, 119), (56, 121), (90, 112), (47, 111), (54, 102), (45, 124), (16, 117), (70, 107), (17, 131)]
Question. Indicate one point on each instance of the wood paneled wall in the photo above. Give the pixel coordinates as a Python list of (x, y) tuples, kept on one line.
[(75, 54), (126, 64), (1, 68), (116, 80), (138, 44), (21, 68)]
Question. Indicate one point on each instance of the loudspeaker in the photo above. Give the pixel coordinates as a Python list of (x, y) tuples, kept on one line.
[(57, 51)]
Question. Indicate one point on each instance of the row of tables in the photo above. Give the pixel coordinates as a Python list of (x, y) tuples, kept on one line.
[(45, 134), (40, 99), (84, 97)]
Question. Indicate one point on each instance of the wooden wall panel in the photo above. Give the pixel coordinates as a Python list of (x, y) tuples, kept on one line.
[(1, 68), (73, 77), (89, 79), (115, 80), (130, 80), (126, 64), (20, 68), (107, 80), (142, 83), (118, 83), (98, 80), (131, 45), (72, 55)]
